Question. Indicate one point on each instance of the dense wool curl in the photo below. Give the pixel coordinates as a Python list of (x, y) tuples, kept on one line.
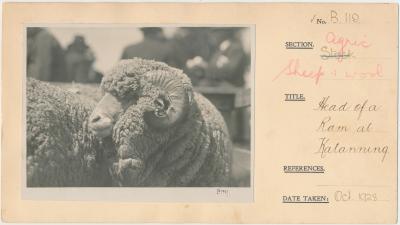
[(60, 150), (163, 135), (151, 148)]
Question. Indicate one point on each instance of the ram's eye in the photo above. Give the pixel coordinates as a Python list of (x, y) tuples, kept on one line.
[(159, 103), (160, 113), (161, 107)]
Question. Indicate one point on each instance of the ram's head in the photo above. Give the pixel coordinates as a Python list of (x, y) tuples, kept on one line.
[(144, 103)]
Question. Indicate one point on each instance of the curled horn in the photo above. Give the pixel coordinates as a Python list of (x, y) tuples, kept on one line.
[(173, 101)]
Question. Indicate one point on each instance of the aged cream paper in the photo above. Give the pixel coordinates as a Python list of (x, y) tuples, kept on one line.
[(325, 106)]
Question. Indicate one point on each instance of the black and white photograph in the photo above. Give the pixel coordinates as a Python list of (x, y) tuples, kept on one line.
[(138, 106)]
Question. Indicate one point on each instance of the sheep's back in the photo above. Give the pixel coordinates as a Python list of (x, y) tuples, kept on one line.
[(60, 151)]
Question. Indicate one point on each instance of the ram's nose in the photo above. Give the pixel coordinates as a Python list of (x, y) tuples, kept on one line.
[(100, 124)]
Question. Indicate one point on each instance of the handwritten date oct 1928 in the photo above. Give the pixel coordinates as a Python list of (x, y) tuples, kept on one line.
[(351, 195)]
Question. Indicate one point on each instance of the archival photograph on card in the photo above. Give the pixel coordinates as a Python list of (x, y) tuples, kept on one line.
[(139, 107)]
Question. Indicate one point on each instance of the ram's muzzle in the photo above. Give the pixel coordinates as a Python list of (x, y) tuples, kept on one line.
[(103, 118)]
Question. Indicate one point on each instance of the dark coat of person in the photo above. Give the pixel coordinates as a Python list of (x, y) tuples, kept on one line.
[(191, 42), (229, 62), (191, 51), (80, 59), (45, 56), (210, 55), (154, 46)]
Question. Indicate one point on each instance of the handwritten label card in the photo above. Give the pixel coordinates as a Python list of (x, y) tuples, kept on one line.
[(332, 113)]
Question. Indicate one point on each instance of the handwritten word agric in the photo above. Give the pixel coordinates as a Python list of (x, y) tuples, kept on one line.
[(344, 43)]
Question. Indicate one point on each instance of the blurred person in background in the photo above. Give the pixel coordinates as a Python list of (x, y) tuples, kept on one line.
[(79, 59), (229, 61), (191, 51), (45, 56), (215, 57), (210, 56), (154, 46), (226, 68)]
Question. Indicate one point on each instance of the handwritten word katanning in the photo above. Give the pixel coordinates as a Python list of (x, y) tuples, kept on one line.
[(337, 148)]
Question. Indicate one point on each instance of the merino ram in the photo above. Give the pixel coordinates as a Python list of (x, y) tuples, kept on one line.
[(151, 128), (165, 134)]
